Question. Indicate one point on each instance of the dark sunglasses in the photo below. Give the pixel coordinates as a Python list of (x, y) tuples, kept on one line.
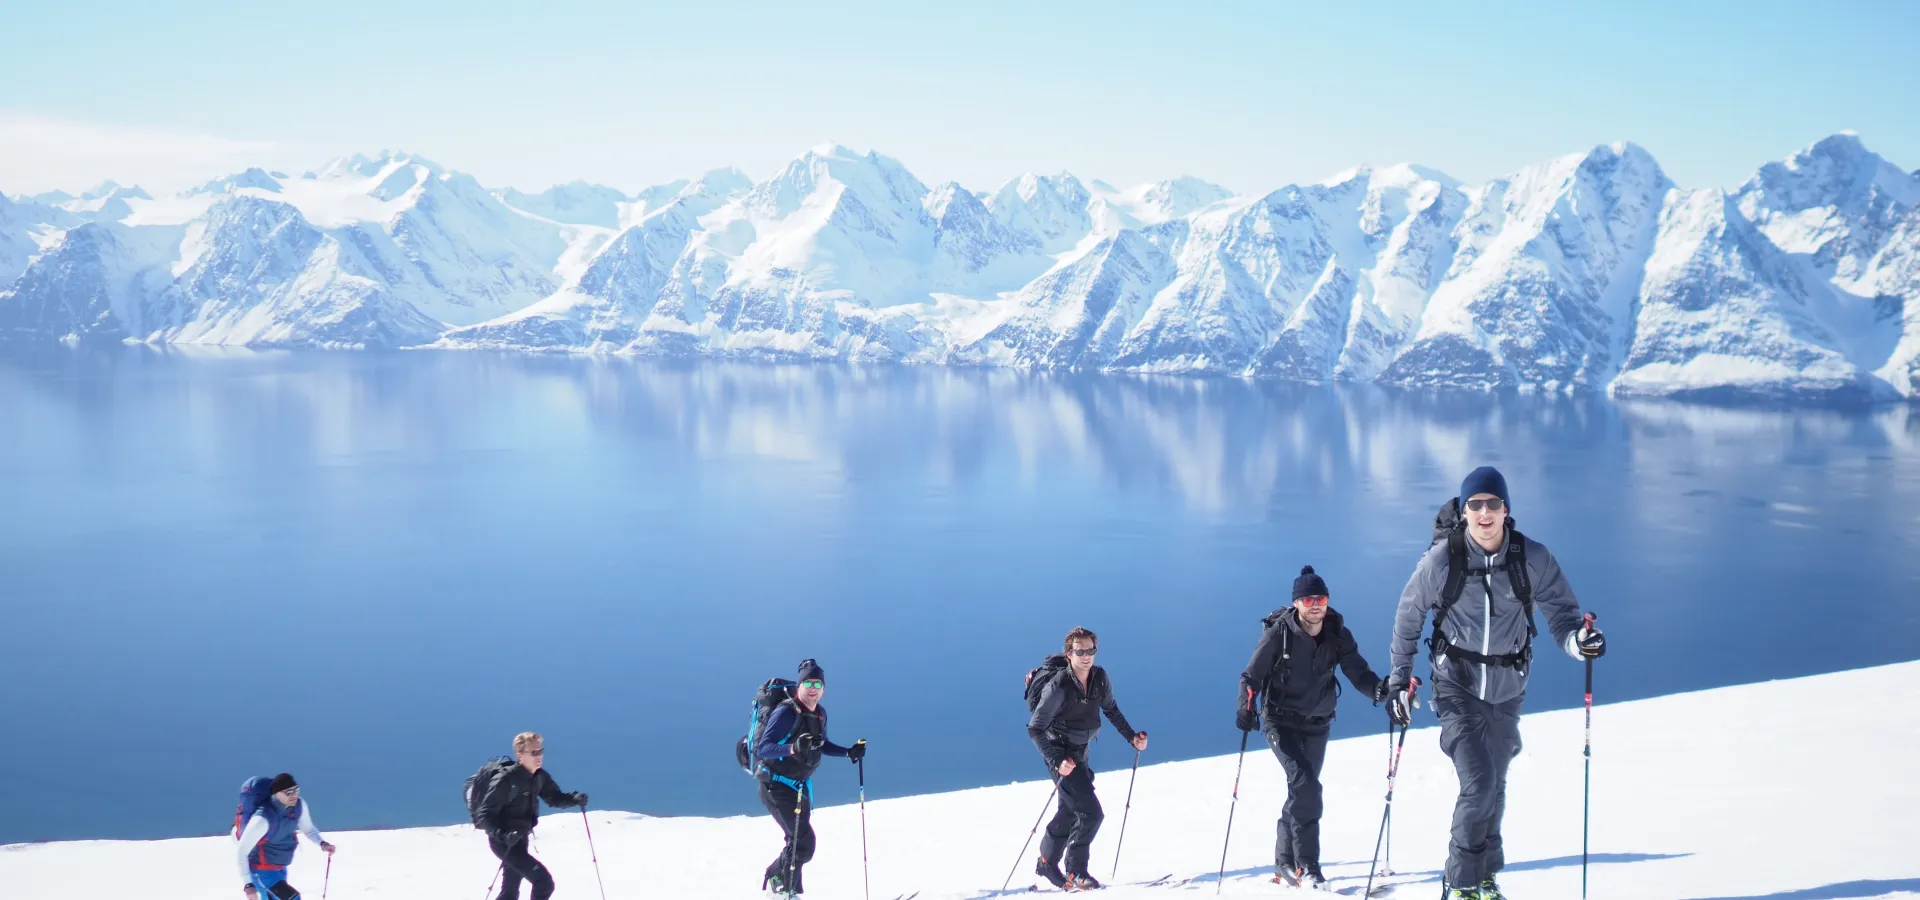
[(1491, 504), (1087, 652), (816, 685), (541, 752)]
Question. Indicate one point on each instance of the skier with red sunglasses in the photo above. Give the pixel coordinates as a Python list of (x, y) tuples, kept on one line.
[(1289, 684)]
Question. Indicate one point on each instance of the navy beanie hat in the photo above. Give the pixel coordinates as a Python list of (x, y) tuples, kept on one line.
[(1309, 584), (811, 671), (1485, 480), (281, 782)]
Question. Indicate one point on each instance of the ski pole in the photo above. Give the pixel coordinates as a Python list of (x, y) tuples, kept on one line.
[(1393, 771), (1115, 874), (865, 881), (793, 840), (496, 879), (1230, 809), (592, 852), (1586, 790), (1386, 853), (327, 881), (1030, 834)]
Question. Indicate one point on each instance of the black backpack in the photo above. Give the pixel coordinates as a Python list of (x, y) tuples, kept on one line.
[(480, 782), (771, 694), (1450, 526), (1038, 678)]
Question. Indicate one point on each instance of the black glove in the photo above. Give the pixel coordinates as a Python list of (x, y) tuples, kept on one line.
[(1246, 719), (579, 798), (508, 838), (809, 742), (1400, 702), (858, 751), (1380, 692), (1590, 642)]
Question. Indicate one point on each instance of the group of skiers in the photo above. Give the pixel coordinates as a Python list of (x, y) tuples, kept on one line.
[(1478, 582)]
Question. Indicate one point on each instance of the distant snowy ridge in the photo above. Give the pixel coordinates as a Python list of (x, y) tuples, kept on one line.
[(1592, 271)]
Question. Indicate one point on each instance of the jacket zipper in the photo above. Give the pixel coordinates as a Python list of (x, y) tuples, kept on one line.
[(1486, 627)]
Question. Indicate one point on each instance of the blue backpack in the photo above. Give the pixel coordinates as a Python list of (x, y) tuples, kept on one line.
[(775, 692), (254, 795)]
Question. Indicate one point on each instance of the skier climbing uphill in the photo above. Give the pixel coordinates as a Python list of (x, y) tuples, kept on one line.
[(1073, 693), (1289, 684), (508, 809), (268, 823), (1480, 581), (788, 750)]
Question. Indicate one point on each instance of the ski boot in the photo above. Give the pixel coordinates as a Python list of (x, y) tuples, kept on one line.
[(1051, 872), (1082, 882), (1468, 893), (776, 888), (1490, 891), (1313, 880), (1289, 875)]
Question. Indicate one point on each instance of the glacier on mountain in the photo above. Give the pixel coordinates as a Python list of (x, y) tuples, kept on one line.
[(1592, 271)]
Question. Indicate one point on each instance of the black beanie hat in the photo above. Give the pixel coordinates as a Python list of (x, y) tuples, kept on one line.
[(1309, 584), (281, 782), (811, 671)]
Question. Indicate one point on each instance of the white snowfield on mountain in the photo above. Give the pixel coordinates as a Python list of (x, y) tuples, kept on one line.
[(1784, 790), (1589, 271)]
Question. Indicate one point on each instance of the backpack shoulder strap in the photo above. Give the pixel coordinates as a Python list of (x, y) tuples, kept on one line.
[(1517, 577), (1456, 576), (1277, 670)]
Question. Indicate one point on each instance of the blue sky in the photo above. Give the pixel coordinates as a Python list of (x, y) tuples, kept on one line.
[(1251, 95)]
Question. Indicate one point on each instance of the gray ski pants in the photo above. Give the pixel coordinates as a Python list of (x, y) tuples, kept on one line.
[(1482, 739)]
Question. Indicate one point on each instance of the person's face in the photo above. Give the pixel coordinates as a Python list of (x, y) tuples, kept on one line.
[(1313, 610), (288, 797), (1080, 656), (810, 692), (532, 757), (1487, 523)]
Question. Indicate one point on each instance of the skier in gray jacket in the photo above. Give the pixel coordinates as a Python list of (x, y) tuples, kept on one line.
[(1482, 653)]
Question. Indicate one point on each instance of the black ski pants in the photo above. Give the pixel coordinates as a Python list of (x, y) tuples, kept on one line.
[(1482, 739), (1302, 753), (1071, 830), (516, 864), (794, 811)]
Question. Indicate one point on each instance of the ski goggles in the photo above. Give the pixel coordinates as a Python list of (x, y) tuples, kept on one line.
[(1313, 601), (816, 685), (1491, 504)]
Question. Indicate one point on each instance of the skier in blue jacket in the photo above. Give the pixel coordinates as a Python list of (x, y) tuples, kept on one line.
[(268, 838), (789, 749)]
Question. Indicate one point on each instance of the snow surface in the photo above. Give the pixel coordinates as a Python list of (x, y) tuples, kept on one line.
[(1591, 271), (1786, 790)]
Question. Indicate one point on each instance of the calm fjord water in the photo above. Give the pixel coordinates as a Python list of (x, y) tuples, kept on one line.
[(372, 569)]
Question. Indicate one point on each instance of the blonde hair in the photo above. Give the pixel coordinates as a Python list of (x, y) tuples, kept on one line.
[(525, 739)]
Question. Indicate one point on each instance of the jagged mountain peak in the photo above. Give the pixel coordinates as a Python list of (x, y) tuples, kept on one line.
[(255, 178), (360, 165), (1838, 170)]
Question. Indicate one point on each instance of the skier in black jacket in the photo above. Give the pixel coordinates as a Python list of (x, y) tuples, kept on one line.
[(789, 749), (1292, 669), (510, 809), (1066, 717)]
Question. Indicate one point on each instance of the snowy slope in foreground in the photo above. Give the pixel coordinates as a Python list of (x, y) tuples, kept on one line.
[(1794, 789)]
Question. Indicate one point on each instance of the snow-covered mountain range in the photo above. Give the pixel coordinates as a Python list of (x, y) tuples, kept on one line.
[(1593, 271)]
